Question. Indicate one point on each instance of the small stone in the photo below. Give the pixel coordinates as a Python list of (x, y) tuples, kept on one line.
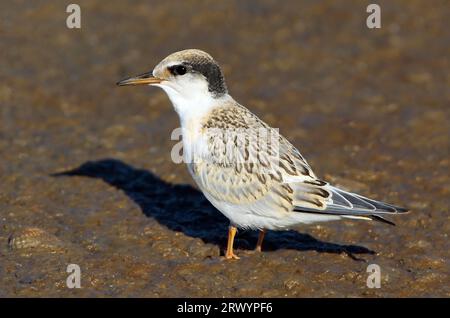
[(32, 237), (289, 284)]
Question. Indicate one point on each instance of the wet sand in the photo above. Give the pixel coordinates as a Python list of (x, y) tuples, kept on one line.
[(86, 175)]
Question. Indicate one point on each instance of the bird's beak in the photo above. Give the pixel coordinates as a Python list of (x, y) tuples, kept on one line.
[(143, 79)]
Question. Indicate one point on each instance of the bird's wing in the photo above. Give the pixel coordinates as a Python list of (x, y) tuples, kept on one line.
[(278, 178)]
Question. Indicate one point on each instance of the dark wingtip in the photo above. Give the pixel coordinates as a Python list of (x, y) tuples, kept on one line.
[(381, 219), (403, 210), (399, 210)]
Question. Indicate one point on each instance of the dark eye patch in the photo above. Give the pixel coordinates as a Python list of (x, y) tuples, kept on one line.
[(177, 69), (208, 68)]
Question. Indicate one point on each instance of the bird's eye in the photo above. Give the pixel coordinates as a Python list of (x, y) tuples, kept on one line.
[(178, 69)]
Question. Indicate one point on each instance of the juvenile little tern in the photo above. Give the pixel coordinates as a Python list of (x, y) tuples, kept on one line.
[(255, 187)]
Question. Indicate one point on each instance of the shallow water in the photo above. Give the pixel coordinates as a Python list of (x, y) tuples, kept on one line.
[(86, 165)]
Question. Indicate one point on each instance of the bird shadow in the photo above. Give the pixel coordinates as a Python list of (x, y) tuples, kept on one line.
[(182, 208)]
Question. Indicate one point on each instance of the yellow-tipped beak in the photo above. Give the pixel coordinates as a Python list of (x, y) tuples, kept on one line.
[(143, 79)]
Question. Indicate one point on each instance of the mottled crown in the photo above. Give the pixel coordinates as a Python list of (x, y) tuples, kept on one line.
[(198, 61)]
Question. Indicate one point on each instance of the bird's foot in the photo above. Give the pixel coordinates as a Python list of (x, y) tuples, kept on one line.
[(231, 255)]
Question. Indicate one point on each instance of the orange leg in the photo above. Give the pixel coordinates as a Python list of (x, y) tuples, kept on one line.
[(260, 240), (231, 233)]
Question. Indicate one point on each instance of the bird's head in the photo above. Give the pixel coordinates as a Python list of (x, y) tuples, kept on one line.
[(188, 77)]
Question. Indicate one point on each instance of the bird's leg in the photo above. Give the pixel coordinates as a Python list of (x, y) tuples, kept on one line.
[(260, 240), (231, 233)]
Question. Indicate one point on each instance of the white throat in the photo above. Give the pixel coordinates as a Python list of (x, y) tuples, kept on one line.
[(192, 106)]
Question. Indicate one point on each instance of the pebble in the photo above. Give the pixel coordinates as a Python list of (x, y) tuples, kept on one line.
[(33, 237)]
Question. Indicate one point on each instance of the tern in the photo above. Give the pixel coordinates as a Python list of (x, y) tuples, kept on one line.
[(257, 182)]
